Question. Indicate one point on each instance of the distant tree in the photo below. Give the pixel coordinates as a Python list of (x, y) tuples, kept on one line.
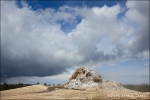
[(37, 83), (140, 87), (20, 84), (59, 84), (45, 84), (5, 86)]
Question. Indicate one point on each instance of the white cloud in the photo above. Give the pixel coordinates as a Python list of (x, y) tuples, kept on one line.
[(34, 37), (138, 11), (109, 12)]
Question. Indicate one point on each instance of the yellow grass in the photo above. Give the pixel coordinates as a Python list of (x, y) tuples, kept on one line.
[(58, 92)]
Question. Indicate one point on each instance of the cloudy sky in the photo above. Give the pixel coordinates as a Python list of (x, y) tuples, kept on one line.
[(44, 41)]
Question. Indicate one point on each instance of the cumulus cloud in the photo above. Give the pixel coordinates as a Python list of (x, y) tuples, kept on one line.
[(33, 42), (139, 14)]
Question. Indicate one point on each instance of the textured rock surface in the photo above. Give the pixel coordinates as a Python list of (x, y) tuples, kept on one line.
[(84, 77)]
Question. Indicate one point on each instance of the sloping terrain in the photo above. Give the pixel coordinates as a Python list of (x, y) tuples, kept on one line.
[(24, 90), (40, 92)]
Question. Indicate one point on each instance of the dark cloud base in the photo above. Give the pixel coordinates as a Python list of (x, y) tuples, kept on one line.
[(25, 67)]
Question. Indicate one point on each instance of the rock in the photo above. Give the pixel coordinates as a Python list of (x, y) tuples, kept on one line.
[(84, 77), (95, 79), (78, 73), (88, 74)]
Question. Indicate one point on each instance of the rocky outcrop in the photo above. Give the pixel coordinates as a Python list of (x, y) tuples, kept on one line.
[(83, 72), (84, 77)]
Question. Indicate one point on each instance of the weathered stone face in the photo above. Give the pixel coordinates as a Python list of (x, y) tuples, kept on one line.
[(96, 79), (79, 72), (84, 77), (88, 74), (84, 72)]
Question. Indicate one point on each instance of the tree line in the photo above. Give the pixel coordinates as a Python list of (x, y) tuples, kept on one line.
[(140, 87), (6, 86)]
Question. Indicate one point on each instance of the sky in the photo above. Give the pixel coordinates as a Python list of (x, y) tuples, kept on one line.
[(45, 41)]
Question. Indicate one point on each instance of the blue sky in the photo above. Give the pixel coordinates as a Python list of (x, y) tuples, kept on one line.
[(73, 3), (45, 41), (67, 27)]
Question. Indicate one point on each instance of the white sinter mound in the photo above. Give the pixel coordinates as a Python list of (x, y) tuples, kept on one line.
[(84, 77)]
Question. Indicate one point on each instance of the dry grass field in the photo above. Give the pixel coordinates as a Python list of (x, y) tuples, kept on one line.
[(58, 92)]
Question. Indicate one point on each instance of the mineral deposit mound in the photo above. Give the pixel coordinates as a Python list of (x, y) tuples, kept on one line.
[(84, 77)]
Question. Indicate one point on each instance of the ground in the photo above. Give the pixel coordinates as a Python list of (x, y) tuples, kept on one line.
[(45, 92)]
